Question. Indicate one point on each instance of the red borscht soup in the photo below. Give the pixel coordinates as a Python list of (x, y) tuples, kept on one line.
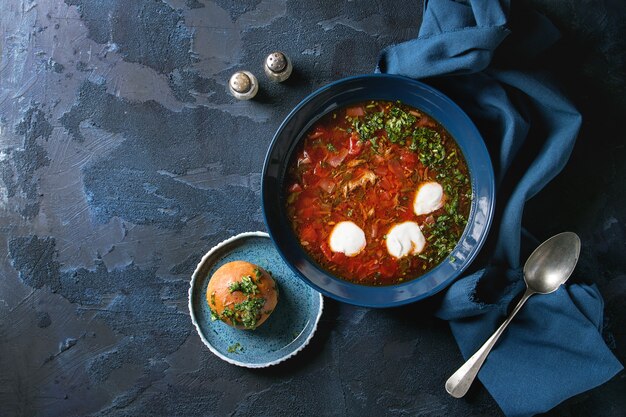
[(378, 193)]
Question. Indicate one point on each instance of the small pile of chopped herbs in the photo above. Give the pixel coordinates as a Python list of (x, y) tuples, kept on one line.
[(247, 312), (398, 125), (367, 126), (396, 122), (429, 144), (246, 286), (235, 348)]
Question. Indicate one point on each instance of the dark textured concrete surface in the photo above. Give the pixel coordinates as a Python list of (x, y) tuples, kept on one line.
[(123, 159)]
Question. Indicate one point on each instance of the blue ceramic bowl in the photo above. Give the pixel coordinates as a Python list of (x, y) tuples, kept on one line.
[(391, 88)]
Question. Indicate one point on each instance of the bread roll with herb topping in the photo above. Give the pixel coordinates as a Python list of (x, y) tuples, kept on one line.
[(242, 295)]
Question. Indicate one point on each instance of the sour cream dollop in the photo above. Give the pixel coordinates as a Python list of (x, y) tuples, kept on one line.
[(429, 197), (405, 238), (347, 238)]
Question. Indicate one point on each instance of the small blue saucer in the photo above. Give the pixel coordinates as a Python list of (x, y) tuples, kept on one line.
[(286, 332)]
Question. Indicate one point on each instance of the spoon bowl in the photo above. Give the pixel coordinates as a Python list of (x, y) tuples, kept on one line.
[(552, 263)]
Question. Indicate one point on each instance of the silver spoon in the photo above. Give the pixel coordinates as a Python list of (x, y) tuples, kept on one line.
[(549, 266)]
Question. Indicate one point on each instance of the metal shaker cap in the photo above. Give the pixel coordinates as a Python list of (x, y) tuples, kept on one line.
[(243, 85), (276, 61), (278, 66)]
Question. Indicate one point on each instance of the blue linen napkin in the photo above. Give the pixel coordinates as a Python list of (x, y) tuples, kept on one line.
[(553, 349)]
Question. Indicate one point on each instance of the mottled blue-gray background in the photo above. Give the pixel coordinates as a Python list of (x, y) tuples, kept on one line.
[(122, 160)]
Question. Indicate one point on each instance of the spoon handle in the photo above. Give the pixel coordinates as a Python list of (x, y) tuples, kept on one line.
[(458, 384)]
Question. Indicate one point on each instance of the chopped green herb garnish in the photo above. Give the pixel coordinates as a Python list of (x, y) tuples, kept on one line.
[(398, 124), (257, 274), (249, 311), (430, 145), (440, 240), (235, 348), (369, 125), (228, 313), (331, 147), (246, 286)]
